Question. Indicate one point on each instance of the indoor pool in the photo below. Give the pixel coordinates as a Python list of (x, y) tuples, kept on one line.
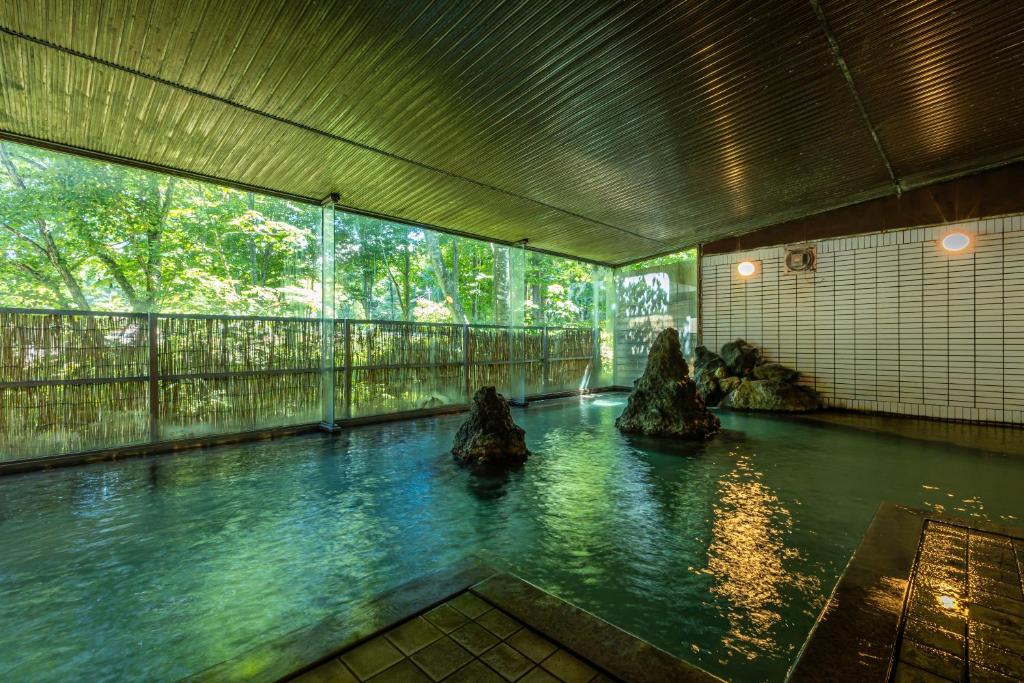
[(722, 553)]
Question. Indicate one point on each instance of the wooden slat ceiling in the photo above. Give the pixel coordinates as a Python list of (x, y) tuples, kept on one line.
[(604, 130)]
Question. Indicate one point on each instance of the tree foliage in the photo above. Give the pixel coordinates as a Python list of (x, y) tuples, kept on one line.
[(78, 233)]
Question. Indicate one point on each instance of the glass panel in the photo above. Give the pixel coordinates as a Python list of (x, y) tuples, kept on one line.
[(230, 285), (652, 295)]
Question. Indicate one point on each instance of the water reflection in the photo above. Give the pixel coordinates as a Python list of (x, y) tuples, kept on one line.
[(748, 559)]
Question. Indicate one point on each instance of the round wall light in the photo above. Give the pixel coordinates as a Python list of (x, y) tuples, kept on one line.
[(746, 268), (956, 241)]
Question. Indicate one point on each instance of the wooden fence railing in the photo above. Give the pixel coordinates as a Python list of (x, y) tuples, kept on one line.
[(74, 381)]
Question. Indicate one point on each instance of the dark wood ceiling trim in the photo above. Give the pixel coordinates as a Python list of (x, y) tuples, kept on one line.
[(991, 193)]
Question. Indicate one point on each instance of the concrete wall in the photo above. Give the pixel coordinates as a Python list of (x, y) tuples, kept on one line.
[(889, 322)]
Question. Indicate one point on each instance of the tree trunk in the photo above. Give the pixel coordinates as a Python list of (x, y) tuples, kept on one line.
[(447, 280)]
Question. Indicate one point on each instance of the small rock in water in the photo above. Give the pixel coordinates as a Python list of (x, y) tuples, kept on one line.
[(664, 401), (489, 438)]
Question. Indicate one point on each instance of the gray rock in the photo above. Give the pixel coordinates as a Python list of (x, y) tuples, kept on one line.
[(705, 358), (708, 386), (741, 357), (763, 394), (776, 372), (489, 438), (664, 401), (729, 384)]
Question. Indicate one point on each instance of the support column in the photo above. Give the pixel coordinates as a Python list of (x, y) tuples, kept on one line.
[(517, 319), (327, 313), (154, 377), (604, 325)]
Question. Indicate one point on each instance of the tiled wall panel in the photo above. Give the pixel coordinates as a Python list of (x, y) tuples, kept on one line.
[(888, 322)]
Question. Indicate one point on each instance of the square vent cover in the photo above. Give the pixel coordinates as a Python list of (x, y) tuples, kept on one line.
[(801, 258)]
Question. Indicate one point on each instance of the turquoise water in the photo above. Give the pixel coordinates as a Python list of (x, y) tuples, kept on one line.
[(722, 553)]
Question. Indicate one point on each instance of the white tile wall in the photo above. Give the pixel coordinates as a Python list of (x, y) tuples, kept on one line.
[(889, 322)]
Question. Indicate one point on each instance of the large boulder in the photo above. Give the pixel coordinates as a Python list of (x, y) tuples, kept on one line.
[(764, 394), (708, 387), (775, 372), (728, 384), (489, 438), (706, 359), (708, 369), (740, 357), (664, 401)]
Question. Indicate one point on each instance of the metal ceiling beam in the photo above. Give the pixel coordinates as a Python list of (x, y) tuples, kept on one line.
[(833, 46)]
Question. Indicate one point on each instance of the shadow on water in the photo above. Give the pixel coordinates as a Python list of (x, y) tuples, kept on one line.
[(726, 439), (488, 485)]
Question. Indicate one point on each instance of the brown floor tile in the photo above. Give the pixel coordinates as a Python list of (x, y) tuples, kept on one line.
[(931, 613), (507, 661), (1006, 663), (929, 659), (371, 658), (442, 658), (498, 623), (330, 672), (1000, 588), (475, 672), (469, 604), (1011, 641), (980, 674), (446, 618), (474, 637), (997, 618), (909, 674), (414, 635), (998, 603), (568, 668), (403, 672), (532, 645), (927, 634), (538, 675)]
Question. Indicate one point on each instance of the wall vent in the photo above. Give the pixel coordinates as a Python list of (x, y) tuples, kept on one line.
[(800, 258)]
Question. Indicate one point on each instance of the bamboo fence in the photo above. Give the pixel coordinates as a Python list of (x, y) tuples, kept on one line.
[(73, 381)]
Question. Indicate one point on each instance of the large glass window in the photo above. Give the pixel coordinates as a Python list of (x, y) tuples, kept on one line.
[(140, 307), (653, 295), (82, 234)]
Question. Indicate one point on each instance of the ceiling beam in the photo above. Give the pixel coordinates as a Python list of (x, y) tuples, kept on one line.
[(833, 46), (317, 131)]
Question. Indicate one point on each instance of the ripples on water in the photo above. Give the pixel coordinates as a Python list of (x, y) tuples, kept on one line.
[(722, 552)]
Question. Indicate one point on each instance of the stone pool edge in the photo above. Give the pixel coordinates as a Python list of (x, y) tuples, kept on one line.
[(621, 654), (308, 646), (856, 637)]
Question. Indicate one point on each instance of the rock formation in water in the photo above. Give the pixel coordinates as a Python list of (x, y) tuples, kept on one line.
[(740, 379), (740, 357), (766, 394), (489, 438), (708, 368), (664, 401)]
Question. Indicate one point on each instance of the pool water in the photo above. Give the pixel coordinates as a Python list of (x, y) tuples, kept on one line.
[(722, 553)]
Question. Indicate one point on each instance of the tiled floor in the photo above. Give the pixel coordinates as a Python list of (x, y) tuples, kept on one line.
[(965, 616), (463, 640)]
